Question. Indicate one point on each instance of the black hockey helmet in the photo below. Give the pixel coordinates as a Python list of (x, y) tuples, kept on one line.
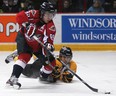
[(66, 51), (49, 7), (65, 54)]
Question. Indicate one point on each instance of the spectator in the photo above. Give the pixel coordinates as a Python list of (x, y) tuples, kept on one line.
[(108, 5), (37, 3), (1, 10), (96, 7), (5, 2), (9, 6), (89, 3), (113, 8), (78, 5), (67, 6), (26, 5), (102, 1), (19, 3), (1, 2), (33, 4)]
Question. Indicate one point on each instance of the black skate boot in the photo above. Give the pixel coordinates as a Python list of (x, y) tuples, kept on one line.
[(46, 78), (51, 79), (43, 77), (13, 81)]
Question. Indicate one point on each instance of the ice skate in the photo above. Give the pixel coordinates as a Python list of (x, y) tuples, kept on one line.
[(46, 78), (11, 57), (50, 79), (13, 81), (43, 78)]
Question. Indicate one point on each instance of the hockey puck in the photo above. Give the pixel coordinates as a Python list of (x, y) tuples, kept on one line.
[(107, 92)]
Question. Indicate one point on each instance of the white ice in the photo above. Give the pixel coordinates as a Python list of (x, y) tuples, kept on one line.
[(97, 68)]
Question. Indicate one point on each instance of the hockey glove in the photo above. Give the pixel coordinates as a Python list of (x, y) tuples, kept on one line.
[(56, 72), (49, 47), (31, 29), (67, 77)]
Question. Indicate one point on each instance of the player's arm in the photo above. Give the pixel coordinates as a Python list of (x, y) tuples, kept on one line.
[(73, 66), (67, 76), (56, 73), (51, 32), (31, 16)]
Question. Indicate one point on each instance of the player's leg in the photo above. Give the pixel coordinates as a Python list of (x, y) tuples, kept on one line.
[(24, 55), (32, 70), (46, 69), (18, 67)]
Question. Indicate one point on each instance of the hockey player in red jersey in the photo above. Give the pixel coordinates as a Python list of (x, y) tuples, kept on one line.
[(40, 24)]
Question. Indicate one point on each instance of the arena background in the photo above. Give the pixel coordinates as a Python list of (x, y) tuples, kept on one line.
[(99, 31)]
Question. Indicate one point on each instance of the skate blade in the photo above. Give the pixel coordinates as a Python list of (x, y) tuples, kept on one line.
[(17, 87), (44, 82), (8, 86)]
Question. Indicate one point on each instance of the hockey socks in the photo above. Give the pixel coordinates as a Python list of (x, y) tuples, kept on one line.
[(17, 70)]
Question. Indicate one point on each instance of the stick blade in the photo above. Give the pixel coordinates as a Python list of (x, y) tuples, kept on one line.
[(104, 92)]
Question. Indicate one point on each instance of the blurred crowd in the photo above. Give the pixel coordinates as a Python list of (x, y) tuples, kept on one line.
[(63, 6)]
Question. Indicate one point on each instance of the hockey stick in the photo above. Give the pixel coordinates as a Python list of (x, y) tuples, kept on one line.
[(90, 87), (93, 89), (47, 51)]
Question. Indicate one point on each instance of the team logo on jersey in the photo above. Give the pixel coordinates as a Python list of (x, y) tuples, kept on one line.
[(52, 28)]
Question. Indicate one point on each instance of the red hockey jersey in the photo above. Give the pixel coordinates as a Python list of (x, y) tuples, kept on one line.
[(45, 33)]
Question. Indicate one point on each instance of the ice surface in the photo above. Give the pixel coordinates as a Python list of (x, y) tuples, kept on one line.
[(97, 68)]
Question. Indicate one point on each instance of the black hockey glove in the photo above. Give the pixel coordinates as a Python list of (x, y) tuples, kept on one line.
[(56, 72), (49, 47), (48, 59), (67, 76)]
